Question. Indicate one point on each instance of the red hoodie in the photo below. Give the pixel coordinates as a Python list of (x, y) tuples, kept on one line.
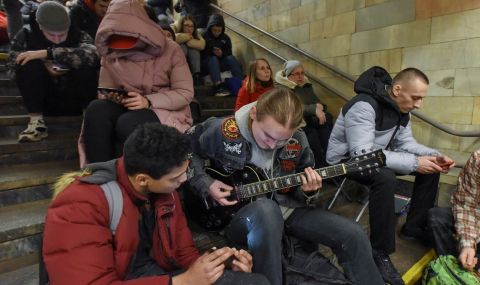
[(244, 97)]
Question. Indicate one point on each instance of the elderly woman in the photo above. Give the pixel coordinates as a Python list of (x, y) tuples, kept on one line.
[(319, 121), (149, 71)]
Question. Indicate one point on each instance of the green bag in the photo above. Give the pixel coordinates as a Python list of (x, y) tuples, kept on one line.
[(446, 270)]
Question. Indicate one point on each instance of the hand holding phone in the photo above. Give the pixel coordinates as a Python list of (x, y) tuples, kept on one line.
[(228, 262), (114, 94), (60, 68)]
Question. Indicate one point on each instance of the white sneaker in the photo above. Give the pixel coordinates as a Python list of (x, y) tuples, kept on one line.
[(35, 131)]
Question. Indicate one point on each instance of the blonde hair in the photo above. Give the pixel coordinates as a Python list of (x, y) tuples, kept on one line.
[(252, 78), (282, 105), (66, 179)]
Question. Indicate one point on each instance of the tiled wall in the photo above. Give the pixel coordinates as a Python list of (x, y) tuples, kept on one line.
[(440, 37)]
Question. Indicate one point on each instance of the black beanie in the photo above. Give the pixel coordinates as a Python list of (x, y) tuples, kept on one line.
[(53, 16)]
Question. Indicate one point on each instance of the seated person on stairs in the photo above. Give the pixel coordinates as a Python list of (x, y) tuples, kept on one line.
[(217, 55), (55, 68), (191, 42), (152, 243), (378, 117), (258, 81), (266, 134), (148, 67), (319, 121), (456, 230)]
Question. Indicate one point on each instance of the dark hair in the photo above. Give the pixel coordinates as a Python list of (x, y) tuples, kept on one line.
[(166, 27), (182, 20), (155, 149), (408, 74)]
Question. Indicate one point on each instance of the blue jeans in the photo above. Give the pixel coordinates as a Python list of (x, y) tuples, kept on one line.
[(193, 58), (260, 226), (216, 65)]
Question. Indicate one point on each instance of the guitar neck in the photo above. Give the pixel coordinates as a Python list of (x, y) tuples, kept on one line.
[(262, 187)]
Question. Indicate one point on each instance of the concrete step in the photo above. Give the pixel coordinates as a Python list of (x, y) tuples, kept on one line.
[(25, 195), (28, 175), (58, 148), (22, 220), (27, 275), (12, 105), (20, 233), (11, 126)]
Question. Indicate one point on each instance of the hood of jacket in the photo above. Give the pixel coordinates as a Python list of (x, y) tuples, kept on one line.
[(375, 82), (216, 20), (129, 18), (281, 79)]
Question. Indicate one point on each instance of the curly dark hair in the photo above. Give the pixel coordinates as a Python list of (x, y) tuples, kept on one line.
[(155, 149)]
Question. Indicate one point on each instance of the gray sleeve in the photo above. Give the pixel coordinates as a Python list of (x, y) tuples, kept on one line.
[(405, 141), (360, 132)]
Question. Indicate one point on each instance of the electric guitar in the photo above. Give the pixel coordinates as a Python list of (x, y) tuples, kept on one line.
[(249, 183)]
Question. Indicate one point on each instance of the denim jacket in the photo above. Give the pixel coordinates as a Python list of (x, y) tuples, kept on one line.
[(219, 142)]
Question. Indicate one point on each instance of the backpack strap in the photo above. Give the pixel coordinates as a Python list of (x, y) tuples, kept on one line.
[(115, 203)]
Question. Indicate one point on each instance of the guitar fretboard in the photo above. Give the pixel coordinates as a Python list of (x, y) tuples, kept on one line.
[(258, 188)]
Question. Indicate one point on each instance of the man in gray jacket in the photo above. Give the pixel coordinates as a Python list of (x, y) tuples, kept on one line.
[(379, 118)]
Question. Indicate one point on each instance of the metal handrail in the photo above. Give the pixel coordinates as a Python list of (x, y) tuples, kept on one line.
[(339, 72)]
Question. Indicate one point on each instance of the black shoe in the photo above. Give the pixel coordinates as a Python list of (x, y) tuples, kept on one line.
[(389, 274), (418, 235), (197, 79), (221, 90)]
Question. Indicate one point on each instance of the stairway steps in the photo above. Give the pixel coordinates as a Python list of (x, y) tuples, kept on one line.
[(22, 220), (11, 145), (27, 275), (25, 195), (11, 126), (27, 175), (12, 105)]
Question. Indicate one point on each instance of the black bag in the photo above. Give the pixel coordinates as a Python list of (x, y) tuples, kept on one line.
[(304, 265)]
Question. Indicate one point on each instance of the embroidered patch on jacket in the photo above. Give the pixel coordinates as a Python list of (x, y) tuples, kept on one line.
[(235, 148), (292, 149), (287, 165), (230, 129), (286, 190)]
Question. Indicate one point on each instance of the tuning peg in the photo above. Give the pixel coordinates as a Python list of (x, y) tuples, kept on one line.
[(377, 170), (355, 153)]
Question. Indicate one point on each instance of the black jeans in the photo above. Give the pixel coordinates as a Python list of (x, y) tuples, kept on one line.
[(318, 136), (64, 95), (382, 205), (260, 226), (106, 127), (442, 226)]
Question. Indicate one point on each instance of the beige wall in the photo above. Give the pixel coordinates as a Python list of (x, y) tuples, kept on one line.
[(440, 37)]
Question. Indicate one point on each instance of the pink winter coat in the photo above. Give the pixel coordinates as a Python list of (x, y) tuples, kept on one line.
[(159, 71)]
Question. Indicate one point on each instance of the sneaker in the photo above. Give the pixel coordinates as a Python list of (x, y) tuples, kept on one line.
[(221, 90), (35, 131), (389, 274)]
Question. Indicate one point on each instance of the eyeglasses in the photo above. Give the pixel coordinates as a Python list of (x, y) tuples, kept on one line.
[(296, 74)]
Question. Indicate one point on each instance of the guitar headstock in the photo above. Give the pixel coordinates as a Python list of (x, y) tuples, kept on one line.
[(366, 163)]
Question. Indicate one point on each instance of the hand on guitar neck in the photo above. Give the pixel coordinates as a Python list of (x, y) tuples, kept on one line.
[(220, 191), (311, 180)]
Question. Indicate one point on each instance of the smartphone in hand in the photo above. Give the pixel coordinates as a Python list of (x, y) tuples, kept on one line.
[(113, 94), (228, 263), (60, 67)]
